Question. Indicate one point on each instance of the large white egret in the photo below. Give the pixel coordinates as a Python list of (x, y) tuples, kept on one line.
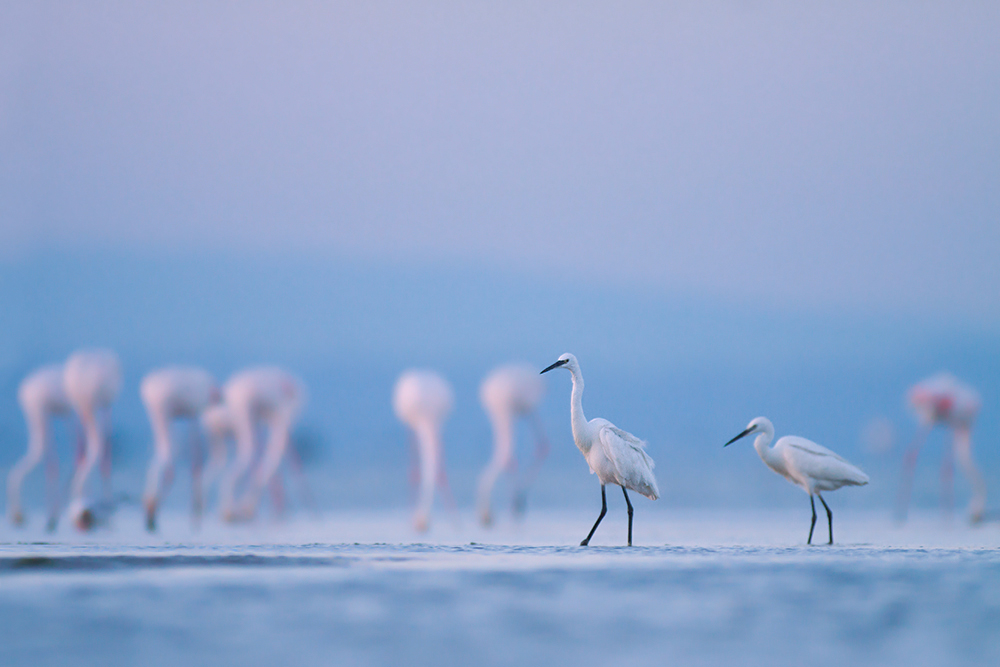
[(423, 400), (614, 455), (509, 393), (170, 394), (42, 397), (92, 380), (943, 399), (803, 463)]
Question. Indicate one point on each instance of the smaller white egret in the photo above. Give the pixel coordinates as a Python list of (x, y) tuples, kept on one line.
[(616, 456), (803, 463)]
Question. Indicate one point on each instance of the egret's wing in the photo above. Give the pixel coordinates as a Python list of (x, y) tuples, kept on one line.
[(811, 447), (627, 454), (818, 462)]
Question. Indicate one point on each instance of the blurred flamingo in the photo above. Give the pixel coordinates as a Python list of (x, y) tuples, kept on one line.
[(42, 397), (943, 399), (218, 426), (92, 380), (170, 394), (267, 395), (423, 400), (508, 393)]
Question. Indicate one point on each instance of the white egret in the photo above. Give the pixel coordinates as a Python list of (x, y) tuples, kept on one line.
[(92, 380), (616, 456), (42, 397), (803, 463), (945, 400), (170, 394), (275, 397), (422, 400), (508, 393)]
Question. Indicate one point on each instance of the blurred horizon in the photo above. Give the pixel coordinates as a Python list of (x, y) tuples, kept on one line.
[(684, 373)]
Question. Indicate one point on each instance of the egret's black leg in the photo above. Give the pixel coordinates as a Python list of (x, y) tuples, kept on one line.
[(629, 503), (604, 510), (813, 524), (829, 517)]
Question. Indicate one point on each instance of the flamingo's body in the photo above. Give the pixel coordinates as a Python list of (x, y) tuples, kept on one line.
[(943, 399), (614, 455), (92, 380), (42, 396), (422, 400), (802, 462), (510, 393), (170, 394), (268, 395)]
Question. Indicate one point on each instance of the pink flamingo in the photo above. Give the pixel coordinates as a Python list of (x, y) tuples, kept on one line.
[(508, 393), (92, 380), (422, 400), (266, 395), (42, 397), (170, 394), (943, 399)]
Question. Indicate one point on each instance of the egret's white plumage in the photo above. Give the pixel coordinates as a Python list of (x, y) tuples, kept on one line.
[(804, 463), (268, 395), (509, 393), (614, 455), (170, 394), (92, 380), (944, 399), (423, 400), (42, 396)]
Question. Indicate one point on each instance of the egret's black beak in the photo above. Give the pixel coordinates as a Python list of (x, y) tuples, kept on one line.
[(745, 432), (561, 362)]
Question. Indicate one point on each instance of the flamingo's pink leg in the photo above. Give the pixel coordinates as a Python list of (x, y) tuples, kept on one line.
[(52, 485), (909, 467), (197, 465), (948, 481), (277, 489)]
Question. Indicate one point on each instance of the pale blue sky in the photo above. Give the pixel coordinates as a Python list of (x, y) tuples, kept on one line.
[(843, 154)]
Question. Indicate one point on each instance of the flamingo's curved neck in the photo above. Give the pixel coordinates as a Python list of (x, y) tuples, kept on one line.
[(578, 421)]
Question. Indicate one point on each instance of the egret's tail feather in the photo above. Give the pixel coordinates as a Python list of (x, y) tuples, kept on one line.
[(647, 488)]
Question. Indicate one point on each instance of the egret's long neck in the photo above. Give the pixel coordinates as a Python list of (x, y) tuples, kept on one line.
[(578, 421), (763, 446)]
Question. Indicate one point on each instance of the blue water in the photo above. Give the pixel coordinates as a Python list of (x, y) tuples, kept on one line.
[(924, 594)]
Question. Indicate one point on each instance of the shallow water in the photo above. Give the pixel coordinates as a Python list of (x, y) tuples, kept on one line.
[(699, 588)]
